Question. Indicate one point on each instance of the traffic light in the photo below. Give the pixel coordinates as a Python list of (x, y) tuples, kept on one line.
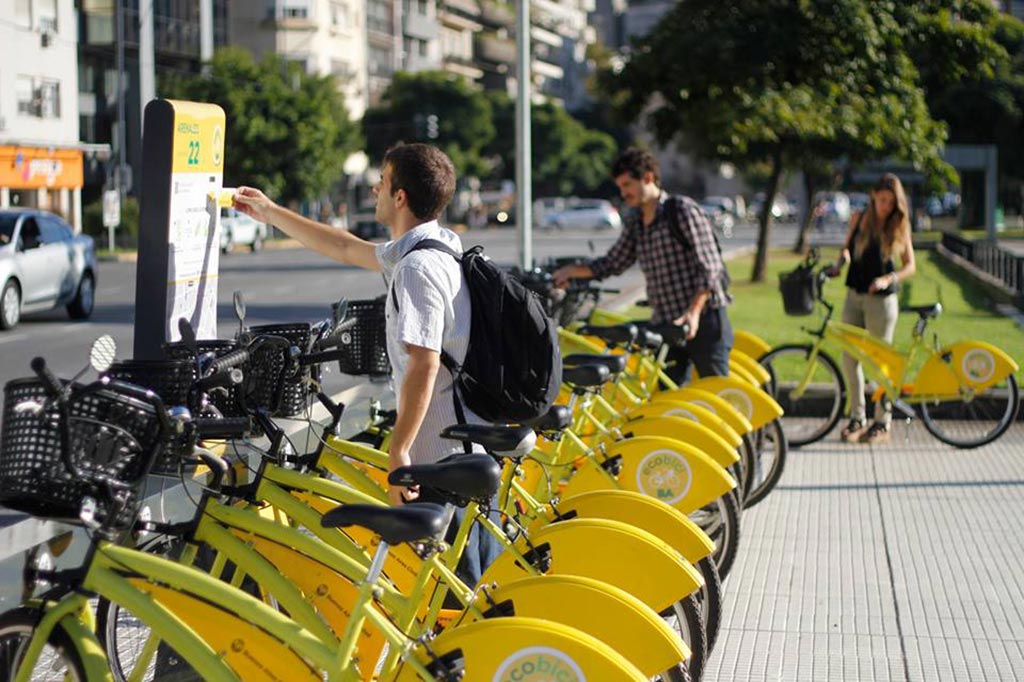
[(432, 129)]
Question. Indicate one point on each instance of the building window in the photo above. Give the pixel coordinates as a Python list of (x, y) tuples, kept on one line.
[(339, 15), (38, 97), (292, 9), (45, 15)]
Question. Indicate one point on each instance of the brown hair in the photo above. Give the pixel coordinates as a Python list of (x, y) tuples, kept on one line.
[(636, 162), (427, 176), (892, 234)]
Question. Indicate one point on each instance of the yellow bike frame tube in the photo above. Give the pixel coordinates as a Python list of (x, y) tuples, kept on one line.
[(268, 576), (289, 478), (357, 451), (234, 603), (612, 552), (64, 614), (90, 650), (104, 580), (660, 467), (608, 613), (353, 475)]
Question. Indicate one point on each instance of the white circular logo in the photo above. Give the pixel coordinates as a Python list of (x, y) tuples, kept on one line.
[(664, 474), (739, 400), (978, 365), (539, 664), (680, 412)]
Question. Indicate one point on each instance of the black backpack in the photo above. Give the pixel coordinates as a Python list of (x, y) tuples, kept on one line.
[(677, 233), (513, 366)]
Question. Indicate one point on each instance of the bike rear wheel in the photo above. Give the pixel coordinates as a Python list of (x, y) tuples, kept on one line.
[(974, 422), (811, 416), (59, 661), (721, 521), (772, 448)]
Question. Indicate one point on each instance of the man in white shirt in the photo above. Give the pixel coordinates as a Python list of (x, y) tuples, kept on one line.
[(428, 307)]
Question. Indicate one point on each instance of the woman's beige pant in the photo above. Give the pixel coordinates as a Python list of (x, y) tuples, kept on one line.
[(878, 315)]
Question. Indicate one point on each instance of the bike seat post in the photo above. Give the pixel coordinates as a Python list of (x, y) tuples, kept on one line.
[(380, 555)]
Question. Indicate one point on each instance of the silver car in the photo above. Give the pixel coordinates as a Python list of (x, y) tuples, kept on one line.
[(43, 264), (584, 214)]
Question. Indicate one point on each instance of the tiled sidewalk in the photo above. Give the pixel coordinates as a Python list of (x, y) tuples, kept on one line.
[(896, 562)]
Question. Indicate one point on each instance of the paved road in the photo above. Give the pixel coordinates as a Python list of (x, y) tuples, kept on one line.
[(279, 285)]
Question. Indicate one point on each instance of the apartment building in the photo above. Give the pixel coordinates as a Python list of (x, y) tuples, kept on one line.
[(41, 158), (328, 37)]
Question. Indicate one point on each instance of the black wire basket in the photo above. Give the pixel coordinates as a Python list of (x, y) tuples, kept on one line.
[(269, 383), (365, 341), (113, 441), (227, 400), (171, 380), (799, 290)]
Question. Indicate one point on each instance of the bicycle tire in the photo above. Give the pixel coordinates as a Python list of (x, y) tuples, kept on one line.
[(721, 521), (710, 597), (690, 625), (823, 405), (766, 483), (939, 418), (60, 660)]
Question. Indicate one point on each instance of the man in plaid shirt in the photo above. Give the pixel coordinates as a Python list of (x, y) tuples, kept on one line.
[(684, 270)]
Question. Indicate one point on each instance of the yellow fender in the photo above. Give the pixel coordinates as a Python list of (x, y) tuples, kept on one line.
[(610, 551), (753, 367), (736, 370), (603, 611), (709, 399), (520, 648), (703, 408), (750, 344), (664, 468), (688, 431), (601, 316), (976, 364), (667, 523), (750, 401)]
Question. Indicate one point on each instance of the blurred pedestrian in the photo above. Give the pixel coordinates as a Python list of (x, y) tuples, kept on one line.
[(875, 238), (674, 242)]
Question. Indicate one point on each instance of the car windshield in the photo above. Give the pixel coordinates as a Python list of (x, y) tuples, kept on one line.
[(7, 221)]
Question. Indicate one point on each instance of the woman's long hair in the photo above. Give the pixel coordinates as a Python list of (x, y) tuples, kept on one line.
[(892, 233)]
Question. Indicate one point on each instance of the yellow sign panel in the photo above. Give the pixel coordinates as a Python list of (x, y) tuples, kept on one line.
[(198, 138)]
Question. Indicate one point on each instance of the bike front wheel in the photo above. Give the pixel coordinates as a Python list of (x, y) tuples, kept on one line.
[(976, 421), (60, 661), (811, 415)]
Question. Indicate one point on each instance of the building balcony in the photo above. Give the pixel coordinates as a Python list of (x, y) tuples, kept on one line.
[(497, 13), (420, 26), (491, 48)]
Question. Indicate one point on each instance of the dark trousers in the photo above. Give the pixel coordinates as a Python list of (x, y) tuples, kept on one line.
[(708, 351)]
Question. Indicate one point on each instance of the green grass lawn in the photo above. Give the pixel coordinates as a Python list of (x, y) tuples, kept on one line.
[(967, 311)]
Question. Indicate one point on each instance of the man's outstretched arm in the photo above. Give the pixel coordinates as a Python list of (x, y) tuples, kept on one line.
[(341, 245)]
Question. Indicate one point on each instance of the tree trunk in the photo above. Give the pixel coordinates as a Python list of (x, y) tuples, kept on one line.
[(765, 219), (804, 233)]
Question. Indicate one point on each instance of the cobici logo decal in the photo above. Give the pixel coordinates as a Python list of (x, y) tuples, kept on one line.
[(978, 365), (739, 400), (680, 412), (664, 474), (538, 664)]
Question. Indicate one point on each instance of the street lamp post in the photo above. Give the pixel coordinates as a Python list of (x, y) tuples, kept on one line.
[(524, 202)]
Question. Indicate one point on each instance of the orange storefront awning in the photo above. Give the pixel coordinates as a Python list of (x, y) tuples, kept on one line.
[(40, 168)]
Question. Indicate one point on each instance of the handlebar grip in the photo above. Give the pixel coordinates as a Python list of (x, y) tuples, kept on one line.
[(218, 465), (52, 383), (323, 356), (230, 360), (224, 377), (334, 338), (208, 428)]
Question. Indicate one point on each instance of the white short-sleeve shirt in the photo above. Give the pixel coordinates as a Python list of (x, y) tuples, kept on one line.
[(433, 312)]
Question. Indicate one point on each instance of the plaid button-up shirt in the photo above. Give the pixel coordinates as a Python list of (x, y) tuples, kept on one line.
[(675, 272)]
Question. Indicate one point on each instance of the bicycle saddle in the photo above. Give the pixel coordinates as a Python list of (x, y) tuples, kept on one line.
[(393, 524), (516, 440), (925, 311), (555, 419), (473, 476), (621, 334), (585, 376), (670, 333), (614, 363), (651, 339)]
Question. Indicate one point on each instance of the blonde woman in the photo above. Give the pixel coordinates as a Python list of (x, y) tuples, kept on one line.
[(876, 238)]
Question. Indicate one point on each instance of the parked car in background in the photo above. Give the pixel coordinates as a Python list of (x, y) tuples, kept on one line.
[(836, 206), (719, 210), (44, 264), (596, 214), (238, 229), (783, 209), (365, 226)]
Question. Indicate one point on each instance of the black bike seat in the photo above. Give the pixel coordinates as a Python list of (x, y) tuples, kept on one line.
[(495, 438), (557, 418), (651, 339), (620, 334), (585, 376), (925, 311), (473, 476), (614, 363), (393, 524)]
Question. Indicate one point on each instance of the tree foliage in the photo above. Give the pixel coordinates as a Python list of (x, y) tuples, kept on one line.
[(288, 132), (462, 126), (568, 158), (786, 82)]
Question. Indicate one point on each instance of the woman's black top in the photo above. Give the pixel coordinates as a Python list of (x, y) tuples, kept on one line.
[(864, 270)]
